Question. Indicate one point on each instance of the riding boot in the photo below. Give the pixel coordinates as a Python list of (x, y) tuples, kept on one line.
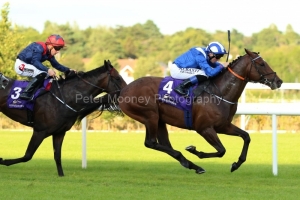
[(183, 87), (35, 83)]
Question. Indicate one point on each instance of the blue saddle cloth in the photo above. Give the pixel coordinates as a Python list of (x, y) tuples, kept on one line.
[(13, 100), (167, 95)]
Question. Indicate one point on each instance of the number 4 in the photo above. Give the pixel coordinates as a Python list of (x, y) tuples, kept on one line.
[(168, 87)]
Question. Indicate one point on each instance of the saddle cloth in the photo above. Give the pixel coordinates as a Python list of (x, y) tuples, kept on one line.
[(166, 94), (13, 100)]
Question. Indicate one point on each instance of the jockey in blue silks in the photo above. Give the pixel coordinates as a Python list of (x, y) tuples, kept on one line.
[(197, 65)]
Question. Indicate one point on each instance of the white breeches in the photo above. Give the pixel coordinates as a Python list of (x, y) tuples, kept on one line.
[(24, 69), (185, 73)]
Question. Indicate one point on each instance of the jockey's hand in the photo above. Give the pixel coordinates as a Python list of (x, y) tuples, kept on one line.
[(51, 72), (73, 70), (70, 72), (225, 64)]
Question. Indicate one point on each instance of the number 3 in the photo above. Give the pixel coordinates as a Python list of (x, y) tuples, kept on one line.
[(17, 92)]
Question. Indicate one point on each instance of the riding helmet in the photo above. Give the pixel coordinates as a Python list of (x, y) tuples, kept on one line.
[(55, 40), (216, 48)]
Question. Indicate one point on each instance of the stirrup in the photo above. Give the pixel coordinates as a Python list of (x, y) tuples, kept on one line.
[(183, 92), (25, 97)]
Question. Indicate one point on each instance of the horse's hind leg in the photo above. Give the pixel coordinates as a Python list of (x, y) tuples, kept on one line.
[(57, 141), (35, 141), (163, 135), (164, 145), (212, 138)]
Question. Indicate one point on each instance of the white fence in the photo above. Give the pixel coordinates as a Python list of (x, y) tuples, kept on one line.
[(257, 86), (273, 109)]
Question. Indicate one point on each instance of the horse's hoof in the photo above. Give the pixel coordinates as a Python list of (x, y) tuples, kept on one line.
[(234, 167), (190, 148), (200, 171)]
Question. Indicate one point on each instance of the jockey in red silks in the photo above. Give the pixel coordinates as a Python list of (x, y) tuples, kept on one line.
[(30, 59)]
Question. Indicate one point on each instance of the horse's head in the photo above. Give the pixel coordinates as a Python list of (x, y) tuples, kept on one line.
[(103, 79), (257, 70), (115, 82)]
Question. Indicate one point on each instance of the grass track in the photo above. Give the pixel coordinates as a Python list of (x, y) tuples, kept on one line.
[(120, 167)]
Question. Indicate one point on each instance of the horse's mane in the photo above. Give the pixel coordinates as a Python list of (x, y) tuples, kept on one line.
[(234, 61), (71, 74), (238, 58)]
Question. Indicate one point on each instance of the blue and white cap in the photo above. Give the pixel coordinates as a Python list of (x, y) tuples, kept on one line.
[(216, 48)]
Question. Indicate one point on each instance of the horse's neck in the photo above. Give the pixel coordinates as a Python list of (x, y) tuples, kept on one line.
[(232, 87)]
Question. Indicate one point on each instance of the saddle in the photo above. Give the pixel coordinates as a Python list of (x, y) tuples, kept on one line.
[(203, 86)]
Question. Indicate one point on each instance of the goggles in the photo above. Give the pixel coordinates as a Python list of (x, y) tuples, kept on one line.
[(57, 48), (218, 56)]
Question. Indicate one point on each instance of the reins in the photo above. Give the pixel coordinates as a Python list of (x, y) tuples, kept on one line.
[(62, 100), (244, 79), (238, 76), (62, 96), (262, 76)]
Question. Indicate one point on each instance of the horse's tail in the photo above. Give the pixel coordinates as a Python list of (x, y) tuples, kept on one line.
[(107, 102)]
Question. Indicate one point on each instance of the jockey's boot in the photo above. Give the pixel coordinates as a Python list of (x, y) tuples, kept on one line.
[(35, 83), (183, 87)]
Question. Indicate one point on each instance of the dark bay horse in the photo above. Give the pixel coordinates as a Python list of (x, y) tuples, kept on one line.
[(139, 101), (56, 111)]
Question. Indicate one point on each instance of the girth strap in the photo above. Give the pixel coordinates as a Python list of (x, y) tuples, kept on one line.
[(188, 119)]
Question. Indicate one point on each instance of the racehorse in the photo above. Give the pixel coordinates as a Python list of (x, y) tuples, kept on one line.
[(139, 101), (56, 111)]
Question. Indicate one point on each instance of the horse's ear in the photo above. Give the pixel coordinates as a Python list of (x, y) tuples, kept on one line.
[(248, 52)]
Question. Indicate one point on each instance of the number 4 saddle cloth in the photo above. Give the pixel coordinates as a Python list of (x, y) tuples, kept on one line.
[(167, 94)]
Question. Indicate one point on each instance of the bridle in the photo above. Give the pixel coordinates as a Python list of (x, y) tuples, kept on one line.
[(109, 72), (262, 78), (89, 83), (3, 81)]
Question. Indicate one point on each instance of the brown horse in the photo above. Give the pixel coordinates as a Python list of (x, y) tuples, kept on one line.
[(56, 111), (139, 101)]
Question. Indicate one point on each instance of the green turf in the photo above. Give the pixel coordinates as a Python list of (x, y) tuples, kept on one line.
[(120, 167)]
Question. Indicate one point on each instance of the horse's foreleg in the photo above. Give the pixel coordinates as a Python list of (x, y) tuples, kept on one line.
[(35, 141), (235, 131), (164, 145), (57, 141), (212, 138)]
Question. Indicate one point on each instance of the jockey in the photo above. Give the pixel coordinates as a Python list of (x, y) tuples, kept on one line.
[(29, 63), (197, 65)]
